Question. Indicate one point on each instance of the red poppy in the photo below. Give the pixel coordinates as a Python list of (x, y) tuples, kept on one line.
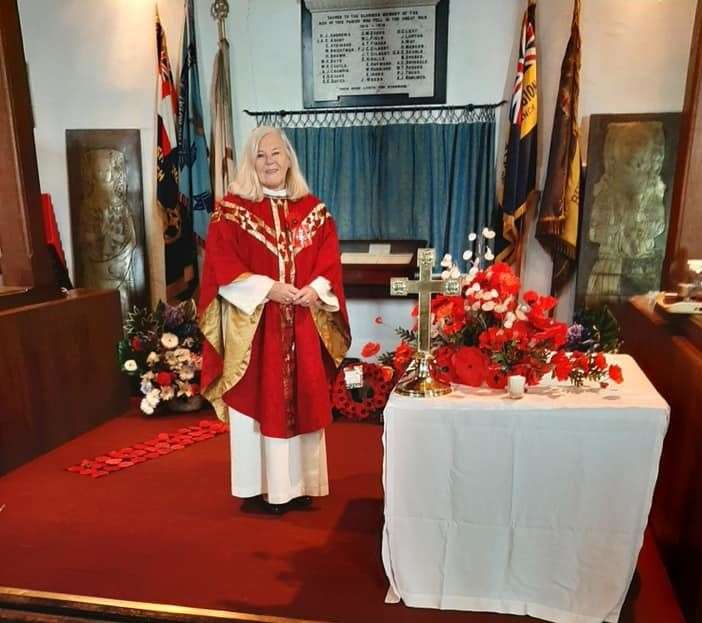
[(137, 344), (561, 366), (556, 334), (615, 373), (370, 349), (403, 353), (530, 297), (600, 361), (387, 373), (469, 366), (496, 377), (443, 368), (581, 362), (164, 378)]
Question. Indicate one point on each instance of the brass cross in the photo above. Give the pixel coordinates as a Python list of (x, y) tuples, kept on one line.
[(425, 286)]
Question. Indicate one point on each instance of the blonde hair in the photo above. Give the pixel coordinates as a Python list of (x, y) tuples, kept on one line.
[(246, 183)]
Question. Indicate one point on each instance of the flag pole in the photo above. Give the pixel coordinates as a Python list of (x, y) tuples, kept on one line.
[(219, 11)]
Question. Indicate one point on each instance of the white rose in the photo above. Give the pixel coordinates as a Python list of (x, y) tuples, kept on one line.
[(153, 397), (182, 353), (146, 387), (489, 255), (472, 236), (187, 373), (152, 358), (169, 340), (167, 392), (467, 255), (488, 233), (146, 407), (185, 389), (130, 365)]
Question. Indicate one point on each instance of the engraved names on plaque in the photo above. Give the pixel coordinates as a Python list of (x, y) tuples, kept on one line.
[(380, 51)]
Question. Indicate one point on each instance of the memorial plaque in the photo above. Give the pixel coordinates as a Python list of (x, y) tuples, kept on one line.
[(374, 53)]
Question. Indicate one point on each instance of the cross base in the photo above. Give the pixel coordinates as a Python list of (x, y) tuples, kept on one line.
[(422, 383)]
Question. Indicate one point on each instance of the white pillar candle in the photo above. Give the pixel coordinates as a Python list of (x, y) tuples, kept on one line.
[(515, 385)]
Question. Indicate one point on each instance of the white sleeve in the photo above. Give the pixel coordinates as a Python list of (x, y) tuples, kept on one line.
[(248, 293), (328, 299)]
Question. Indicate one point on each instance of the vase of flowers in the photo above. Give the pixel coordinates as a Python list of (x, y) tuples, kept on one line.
[(490, 331), (163, 350)]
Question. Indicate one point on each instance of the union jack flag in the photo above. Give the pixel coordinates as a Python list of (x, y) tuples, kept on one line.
[(519, 174)]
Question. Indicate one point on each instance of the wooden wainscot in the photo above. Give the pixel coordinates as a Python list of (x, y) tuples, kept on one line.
[(668, 347)]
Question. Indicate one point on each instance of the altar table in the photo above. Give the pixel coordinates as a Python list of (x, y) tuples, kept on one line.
[(535, 506)]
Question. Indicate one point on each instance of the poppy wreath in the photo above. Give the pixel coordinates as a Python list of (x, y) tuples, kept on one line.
[(361, 402)]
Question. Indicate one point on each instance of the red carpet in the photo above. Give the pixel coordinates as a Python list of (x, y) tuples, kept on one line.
[(170, 532)]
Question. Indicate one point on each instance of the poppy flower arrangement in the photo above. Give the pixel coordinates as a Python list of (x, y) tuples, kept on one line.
[(359, 403), (162, 350), (490, 332)]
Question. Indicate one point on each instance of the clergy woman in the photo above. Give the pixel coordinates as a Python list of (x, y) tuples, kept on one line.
[(273, 313)]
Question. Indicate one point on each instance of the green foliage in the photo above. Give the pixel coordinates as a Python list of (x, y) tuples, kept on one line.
[(407, 336), (600, 330)]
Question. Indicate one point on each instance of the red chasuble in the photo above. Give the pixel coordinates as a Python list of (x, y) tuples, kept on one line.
[(277, 364)]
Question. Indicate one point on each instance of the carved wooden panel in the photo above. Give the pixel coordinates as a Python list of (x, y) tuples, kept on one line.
[(626, 205), (107, 212)]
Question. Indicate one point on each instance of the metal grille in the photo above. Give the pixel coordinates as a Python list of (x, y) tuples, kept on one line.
[(356, 117)]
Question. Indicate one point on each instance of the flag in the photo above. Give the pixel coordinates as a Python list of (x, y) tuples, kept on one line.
[(223, 155), (194, 185), (180, 250), (557, 227), (519, 174)]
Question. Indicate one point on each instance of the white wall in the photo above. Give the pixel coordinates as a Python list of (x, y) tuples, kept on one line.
[(91, 65)]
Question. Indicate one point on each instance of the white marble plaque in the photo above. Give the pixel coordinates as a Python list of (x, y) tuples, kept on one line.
[(379, 51)]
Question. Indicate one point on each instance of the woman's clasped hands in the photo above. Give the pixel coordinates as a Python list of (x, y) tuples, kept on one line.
[(288, 294)]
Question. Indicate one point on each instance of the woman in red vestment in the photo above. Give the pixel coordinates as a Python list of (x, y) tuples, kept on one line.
[(273, 313)]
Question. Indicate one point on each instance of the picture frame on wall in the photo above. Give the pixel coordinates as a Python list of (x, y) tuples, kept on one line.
[(631, 162), (358, 53)]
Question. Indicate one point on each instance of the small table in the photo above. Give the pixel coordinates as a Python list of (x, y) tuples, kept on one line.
[(534, 506)]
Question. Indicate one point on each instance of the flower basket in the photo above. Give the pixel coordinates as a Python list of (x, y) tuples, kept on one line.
[(162, 352), (186, 405)]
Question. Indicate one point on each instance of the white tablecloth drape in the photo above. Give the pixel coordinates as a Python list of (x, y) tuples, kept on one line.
[(533, 506)]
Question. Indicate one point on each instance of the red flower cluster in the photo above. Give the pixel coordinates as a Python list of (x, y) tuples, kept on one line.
[(487, 334), (360, 403)]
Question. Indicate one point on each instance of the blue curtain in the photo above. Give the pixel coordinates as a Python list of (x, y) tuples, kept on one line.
[(406, 181)]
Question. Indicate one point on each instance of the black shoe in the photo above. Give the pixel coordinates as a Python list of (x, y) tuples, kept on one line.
[(304, 501), (274, 509)]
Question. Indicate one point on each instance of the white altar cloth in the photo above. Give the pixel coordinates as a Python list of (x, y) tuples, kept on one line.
[(533, 506)]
